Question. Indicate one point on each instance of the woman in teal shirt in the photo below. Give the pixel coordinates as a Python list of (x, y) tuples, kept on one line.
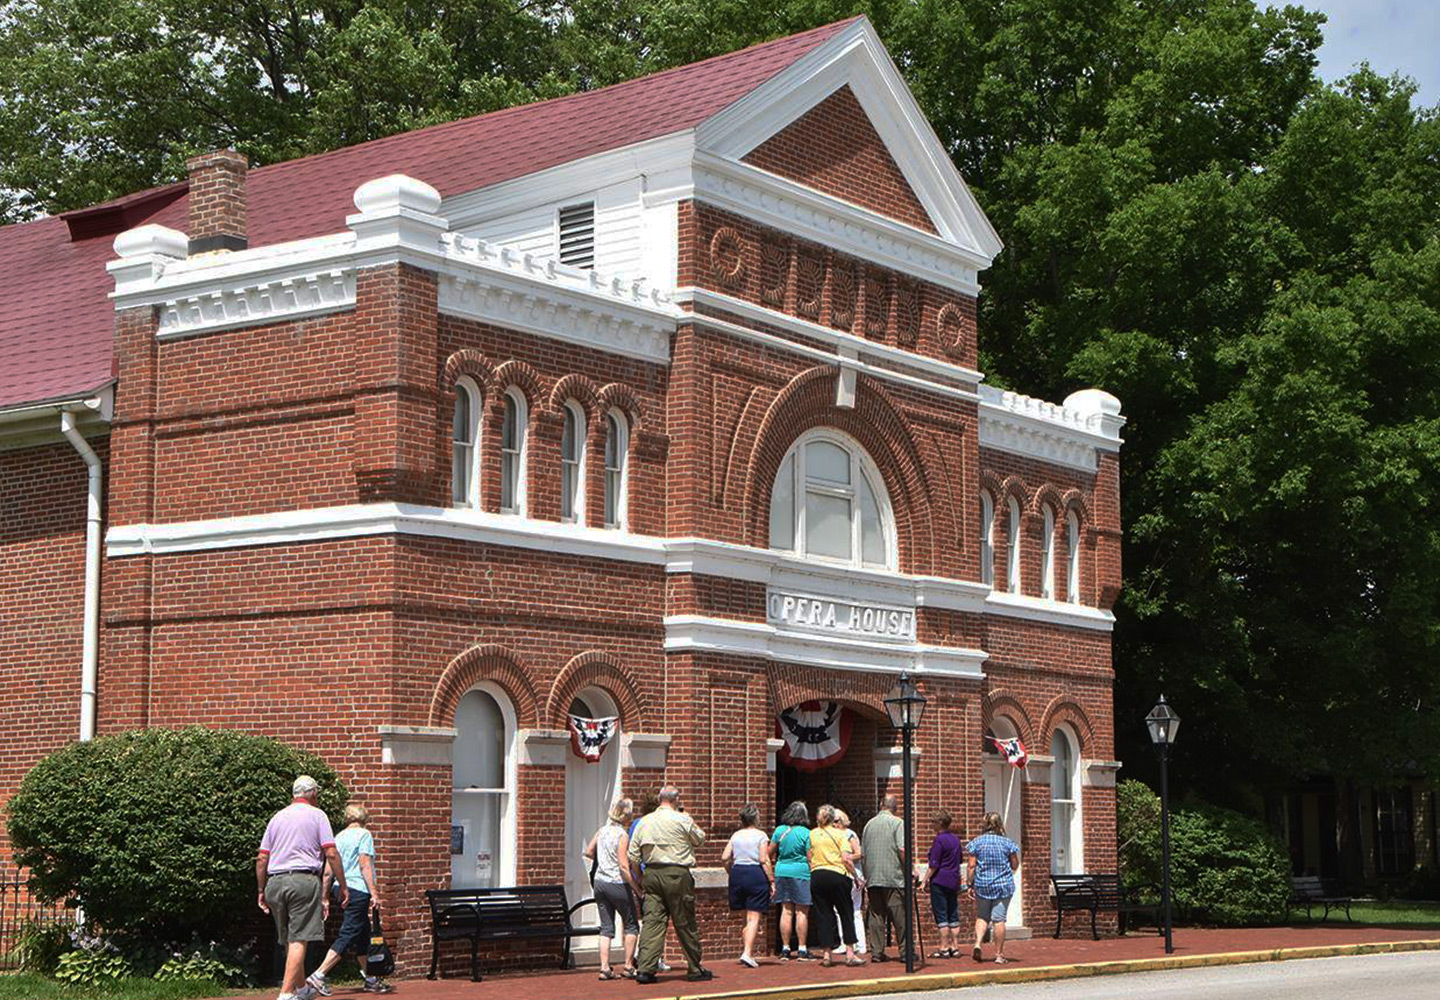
[(789, 851)]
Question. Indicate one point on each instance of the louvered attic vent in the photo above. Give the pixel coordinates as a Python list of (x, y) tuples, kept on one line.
[(577, 235)]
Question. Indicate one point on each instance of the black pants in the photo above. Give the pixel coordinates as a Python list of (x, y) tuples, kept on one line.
[(830, 893)]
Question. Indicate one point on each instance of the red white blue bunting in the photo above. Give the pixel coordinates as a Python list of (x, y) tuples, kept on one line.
[(590, 737), (816, 734)]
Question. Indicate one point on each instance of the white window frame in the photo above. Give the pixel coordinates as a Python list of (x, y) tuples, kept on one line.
[(861, 464), (516, 457), (1012, 557), (509, 829), (621, 505), (987, 540), (465, 456), (1072, 557), (1075, 834), (576, 413), (1047, 554)]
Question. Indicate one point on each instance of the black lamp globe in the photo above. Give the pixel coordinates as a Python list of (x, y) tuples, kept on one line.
[(1163, 723), (905, 704)]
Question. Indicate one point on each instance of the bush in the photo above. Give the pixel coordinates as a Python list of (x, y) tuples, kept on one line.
[(213, 961), (39, 945), (94, 962), (1225, 868), (154, 832)]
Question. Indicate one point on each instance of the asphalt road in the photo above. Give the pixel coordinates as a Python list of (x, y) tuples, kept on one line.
[(1410, 976)]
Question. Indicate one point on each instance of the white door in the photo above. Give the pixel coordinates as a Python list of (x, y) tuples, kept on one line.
[(589, 791), (1001, 779)]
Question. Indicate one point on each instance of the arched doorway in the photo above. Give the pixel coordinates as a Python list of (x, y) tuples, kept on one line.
[(589, 791), (1004, 794)]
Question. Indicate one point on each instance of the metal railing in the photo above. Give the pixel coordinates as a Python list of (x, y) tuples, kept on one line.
[(18, 908)]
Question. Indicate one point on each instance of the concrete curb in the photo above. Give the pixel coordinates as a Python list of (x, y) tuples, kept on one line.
[(998, 974)]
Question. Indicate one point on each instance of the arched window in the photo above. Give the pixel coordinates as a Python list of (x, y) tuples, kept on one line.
[(617, 447), (512, 454), (830, 503), (464, 435), (572, 464), (1072, 558), (1047, 556), (1012, 561), (482, 797), (987, 540), (1066, 849)]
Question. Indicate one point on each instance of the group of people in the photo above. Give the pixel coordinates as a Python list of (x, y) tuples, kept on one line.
[(828, 872)]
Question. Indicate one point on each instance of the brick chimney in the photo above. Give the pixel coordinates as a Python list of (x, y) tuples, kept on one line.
[(217, 201)]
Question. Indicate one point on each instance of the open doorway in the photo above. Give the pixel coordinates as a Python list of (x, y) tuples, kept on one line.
[(589, 791)]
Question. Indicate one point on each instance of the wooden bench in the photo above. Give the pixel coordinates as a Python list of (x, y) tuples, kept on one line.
[(1311, 891), (517, 913), (1100, 891)]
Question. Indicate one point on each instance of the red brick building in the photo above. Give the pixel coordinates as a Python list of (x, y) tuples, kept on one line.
[(656, 402)]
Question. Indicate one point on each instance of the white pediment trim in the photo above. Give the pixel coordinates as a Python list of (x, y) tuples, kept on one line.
[(856, 57)]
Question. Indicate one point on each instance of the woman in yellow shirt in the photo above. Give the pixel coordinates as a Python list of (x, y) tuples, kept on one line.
[(832, 866)]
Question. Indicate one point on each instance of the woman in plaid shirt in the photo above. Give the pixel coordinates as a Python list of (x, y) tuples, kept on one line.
[(993, 861)]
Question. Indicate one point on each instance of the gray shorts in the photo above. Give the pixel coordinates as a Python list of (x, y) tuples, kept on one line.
[(294, 899), (613, 898)]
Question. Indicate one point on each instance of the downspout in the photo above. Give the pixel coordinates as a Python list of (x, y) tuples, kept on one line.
[(90, 655)]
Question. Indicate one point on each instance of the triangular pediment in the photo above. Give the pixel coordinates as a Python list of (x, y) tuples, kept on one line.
[(842, 121)]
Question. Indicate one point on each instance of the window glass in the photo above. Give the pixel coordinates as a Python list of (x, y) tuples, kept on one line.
[(827, 526), (512, 438), (827, 462), (1013, 563), (462, 452), (479, 742), (1064, 837), (481, 793), (782, 507), (572, 437), (1072, 560), (1047, 555), (828, 501), (615, 445), (872, 533), (987, 540)]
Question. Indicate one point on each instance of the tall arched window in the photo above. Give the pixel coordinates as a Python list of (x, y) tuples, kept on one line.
[(482, 795), (464, 436), (512, 454), (987, 540), (617, 446), (1012, 561), (1047, 555), (572, 464), (1072, 558), (830, 503), (1066, 849)]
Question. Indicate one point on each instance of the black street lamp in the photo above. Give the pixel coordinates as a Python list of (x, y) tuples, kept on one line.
[(906, 706), (1164, 724)]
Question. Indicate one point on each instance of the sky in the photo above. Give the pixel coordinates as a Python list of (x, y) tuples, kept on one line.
[(1392, 35)]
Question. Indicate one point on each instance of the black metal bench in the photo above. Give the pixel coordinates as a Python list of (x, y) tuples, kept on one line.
[(1096, 892), (517, 913), (1311, 891)]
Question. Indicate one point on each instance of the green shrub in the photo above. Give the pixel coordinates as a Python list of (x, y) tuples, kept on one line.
[(1137, 815), (214, 961), (154, 832), (86, 967), (39, 945)]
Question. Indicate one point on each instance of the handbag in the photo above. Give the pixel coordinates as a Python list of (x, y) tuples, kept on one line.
[(379, 960)]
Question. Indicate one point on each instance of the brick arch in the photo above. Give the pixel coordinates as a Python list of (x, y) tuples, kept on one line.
[(579, 388), (484, 663), (790, 684), (623, 398), (1014, 486), (1073, 499), (1048, 493), (1065, 709), (1002, 702), (875, 422), (467, 362), (596, 668), (524, 377), (990, 483)]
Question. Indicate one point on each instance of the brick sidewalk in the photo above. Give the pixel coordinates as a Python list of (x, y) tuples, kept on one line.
[(581, 984)]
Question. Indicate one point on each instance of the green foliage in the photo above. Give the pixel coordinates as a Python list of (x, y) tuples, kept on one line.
[(1137, 815), (154, 832), (213, 961), (39, 945), (33, 986), (86, 967)]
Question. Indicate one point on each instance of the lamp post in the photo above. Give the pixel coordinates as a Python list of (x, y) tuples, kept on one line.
[(1164, 724), (906, 706)]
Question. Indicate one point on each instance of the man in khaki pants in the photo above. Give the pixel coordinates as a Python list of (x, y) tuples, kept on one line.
[(665, 843)]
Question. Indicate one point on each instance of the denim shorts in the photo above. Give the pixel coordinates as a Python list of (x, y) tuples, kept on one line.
[(792, 890), (355, 927), (945, 904), (992, 910)]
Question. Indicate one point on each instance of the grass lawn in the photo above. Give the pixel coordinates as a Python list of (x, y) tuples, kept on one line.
[(29, 986), (1398, 913)]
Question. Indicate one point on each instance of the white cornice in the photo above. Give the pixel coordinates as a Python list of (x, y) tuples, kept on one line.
[(275, 300), (1024, 425), (786, 205), (1037, 609), (699, 634), (39, 423)]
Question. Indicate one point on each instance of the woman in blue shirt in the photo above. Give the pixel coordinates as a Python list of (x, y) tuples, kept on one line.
[(357, 854), (993, 860), (789, 852)]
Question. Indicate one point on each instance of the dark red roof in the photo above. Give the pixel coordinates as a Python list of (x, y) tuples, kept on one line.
[(57, 324)]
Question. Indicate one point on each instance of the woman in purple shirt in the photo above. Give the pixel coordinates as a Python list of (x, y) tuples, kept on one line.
[(943, 878)]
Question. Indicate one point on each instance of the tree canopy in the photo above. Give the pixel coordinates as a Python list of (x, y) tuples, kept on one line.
[(1249, 258)]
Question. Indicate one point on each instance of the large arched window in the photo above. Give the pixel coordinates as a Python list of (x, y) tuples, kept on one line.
[(572, 464), (987, 540), (464, 438), (512, 453), (1072, 558), (1047, 555), (617, 447), (1066, 848), (482, 807), (830, 503), (1012, 541)]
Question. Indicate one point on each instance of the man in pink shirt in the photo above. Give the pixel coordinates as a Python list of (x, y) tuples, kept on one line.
[(294, 851)]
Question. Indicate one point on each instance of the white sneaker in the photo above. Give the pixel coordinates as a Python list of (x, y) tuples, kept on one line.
[(749, 962), (664, 966), (286, 996), (320, 983)]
